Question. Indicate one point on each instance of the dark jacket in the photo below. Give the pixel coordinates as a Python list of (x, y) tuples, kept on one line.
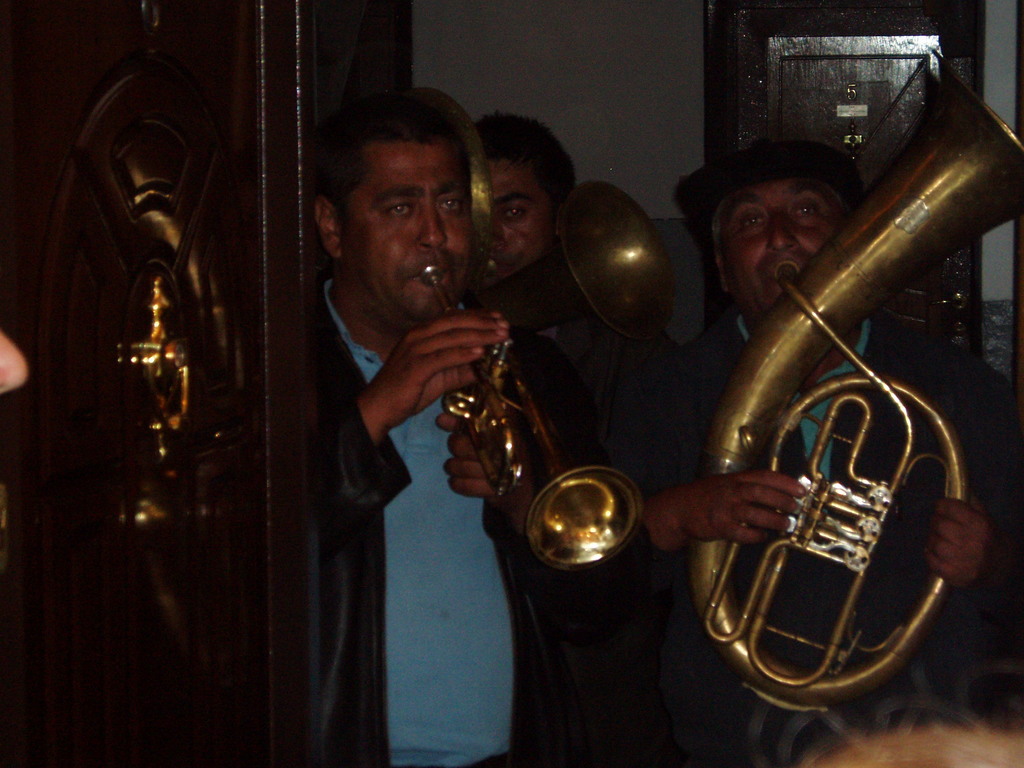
[(727, 724), (356, 480)]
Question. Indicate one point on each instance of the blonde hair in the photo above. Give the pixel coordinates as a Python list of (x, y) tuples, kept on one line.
[(933, 746)]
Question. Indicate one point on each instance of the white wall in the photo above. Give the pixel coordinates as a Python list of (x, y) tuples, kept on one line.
[(619, 82), (1000, 93)]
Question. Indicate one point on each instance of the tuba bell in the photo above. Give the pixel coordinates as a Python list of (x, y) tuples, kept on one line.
[(961, 175)]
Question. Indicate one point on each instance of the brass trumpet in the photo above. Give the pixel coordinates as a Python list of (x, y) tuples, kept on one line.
[(581, 516), (483, 406), (584, 514)]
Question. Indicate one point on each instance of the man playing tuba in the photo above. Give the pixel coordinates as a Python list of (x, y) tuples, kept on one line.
[(755, 210)]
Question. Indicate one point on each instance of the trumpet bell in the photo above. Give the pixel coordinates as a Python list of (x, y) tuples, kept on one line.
[(583, 516), (611, 261)]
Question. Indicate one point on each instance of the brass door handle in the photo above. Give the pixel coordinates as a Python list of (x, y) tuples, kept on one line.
[(164, 362), (956, 306)]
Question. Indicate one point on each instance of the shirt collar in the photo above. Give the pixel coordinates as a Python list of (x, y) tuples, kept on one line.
[(369, 362)]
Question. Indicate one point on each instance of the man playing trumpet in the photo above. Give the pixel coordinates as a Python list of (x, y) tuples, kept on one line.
[(439, 627)]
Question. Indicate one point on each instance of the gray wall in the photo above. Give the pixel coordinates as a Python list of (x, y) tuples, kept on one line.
[(621, 83), (1000, 92)]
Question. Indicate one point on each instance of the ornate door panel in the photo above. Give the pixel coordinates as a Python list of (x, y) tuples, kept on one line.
[(150, 550), (864, 96), (144, 407)]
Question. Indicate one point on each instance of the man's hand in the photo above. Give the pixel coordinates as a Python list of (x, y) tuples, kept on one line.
[(739, 507), (466, 474), (964, 546), (429, 360)]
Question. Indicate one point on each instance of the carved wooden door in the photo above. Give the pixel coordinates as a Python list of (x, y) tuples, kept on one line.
[(156, 588)]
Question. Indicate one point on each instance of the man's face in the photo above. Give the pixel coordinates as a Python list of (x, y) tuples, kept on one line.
[(524, 217), (410, 211), (765, 224)]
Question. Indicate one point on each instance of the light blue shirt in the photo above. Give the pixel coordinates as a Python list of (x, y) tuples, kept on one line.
[(448, 631)]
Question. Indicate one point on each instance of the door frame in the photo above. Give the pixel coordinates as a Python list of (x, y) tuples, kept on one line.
[(13, 714), (287, 254), (289, 251), (1018, 293)]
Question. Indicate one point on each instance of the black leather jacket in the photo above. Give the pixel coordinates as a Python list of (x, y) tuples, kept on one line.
[(356, 480)]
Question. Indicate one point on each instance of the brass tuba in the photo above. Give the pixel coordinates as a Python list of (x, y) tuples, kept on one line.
[(961, 175)]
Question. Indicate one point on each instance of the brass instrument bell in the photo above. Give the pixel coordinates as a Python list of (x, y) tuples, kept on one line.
[(961, 175)]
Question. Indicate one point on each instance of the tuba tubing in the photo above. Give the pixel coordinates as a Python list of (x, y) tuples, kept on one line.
[(961, 175)]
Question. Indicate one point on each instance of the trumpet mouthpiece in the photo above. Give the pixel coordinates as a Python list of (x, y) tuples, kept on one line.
[(432, 276)]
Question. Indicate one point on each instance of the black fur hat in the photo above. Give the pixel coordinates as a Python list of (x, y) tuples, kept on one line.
[(700, 193)]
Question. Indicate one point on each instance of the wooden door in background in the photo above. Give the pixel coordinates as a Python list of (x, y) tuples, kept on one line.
[(157, 594)]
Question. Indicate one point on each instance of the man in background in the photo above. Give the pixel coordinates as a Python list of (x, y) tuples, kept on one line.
[(531, 177)]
